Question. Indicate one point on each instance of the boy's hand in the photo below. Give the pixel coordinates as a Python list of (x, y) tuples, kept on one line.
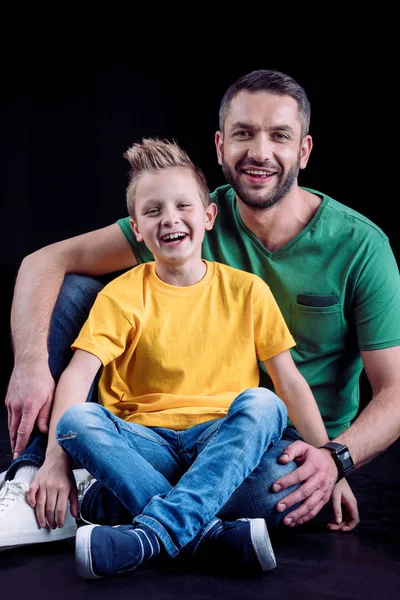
[(28, 400), (345, 511), (317, 475), (53, 484)]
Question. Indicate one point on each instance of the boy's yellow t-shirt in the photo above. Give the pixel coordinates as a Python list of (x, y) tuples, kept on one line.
[(175, 357)]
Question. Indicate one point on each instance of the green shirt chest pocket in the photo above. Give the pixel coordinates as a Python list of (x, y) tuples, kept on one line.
[(317, 323)]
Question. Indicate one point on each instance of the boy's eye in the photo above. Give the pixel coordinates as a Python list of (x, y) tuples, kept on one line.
[(152, 211)]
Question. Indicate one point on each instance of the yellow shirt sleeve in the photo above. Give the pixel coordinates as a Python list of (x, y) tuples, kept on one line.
[(271, 334)]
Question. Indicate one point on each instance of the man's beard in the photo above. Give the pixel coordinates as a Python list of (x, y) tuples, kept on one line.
[(268, 199)]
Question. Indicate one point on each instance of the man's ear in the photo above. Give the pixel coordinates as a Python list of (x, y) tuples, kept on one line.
[(219, 144), (136, 231), (305, 150), (211, 213)]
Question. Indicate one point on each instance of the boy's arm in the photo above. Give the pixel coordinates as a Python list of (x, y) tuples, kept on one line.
[(318, 476), (51, 486), (31, 387), (292, 388)]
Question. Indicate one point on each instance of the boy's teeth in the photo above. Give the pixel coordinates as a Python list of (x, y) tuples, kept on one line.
[(174, 236)]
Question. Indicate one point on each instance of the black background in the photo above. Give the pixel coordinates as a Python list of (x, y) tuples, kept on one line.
[(70, 110), (79, 84)]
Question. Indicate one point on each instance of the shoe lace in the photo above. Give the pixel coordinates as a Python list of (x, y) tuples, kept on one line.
[(11, 491), (83, 486)]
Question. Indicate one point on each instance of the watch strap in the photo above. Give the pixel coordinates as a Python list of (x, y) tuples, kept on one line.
[(342, 457)]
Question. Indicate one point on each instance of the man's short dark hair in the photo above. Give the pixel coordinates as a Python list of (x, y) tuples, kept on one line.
[(273, 82)]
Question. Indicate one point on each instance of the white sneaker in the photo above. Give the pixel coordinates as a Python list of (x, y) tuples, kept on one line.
[(18, 524)]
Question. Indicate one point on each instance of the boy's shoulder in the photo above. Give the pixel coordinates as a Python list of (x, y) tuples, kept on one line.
[(238, 276), (132, 275)]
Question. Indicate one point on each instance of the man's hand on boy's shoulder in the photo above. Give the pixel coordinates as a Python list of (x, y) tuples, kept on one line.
[(317, 473)]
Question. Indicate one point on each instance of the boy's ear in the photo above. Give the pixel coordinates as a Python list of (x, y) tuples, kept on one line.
[(211, 213), (136, 231)]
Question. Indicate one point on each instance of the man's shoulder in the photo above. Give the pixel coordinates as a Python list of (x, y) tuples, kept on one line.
[(222, 195), (340, 215)]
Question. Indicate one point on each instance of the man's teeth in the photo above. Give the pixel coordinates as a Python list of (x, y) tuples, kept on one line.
[(257, 172), (173, 236)]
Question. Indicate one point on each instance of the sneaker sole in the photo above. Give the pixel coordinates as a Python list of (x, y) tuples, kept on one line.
[(261, 544), (41, 536), (83, 555)]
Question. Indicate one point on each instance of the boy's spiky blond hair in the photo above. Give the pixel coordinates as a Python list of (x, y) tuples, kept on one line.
[(153, 154)]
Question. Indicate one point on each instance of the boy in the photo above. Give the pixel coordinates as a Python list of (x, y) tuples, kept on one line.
[(181, 421)]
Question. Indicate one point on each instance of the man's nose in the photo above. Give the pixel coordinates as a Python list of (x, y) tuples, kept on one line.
[(260, 148)]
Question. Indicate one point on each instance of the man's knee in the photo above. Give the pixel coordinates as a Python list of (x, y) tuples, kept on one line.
[(79, 291), (254, 498), (74, 302)]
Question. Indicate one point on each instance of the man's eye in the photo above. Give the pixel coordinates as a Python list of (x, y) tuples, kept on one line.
[(281, 136), (241, 134)]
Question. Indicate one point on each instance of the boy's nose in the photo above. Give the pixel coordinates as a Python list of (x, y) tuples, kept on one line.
[(169, 218)]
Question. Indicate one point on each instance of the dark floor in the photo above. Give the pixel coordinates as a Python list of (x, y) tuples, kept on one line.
[(312, 562)]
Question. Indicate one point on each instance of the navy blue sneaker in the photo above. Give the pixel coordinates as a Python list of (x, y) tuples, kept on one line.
[(102, 551), (241, 543)]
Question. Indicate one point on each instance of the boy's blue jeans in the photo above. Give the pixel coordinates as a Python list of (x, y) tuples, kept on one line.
[(253, 498), (175, 482)]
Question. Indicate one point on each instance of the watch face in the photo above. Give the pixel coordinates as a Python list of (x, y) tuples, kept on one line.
[(341, 456), (345, 459)]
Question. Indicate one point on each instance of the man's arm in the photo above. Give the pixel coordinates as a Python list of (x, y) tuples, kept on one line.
[(31, 387), (377, 427)]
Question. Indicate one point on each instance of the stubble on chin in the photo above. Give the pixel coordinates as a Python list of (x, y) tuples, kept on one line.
[(262, 201)]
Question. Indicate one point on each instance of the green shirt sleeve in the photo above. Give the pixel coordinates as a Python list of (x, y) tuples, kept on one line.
[(377, 300)]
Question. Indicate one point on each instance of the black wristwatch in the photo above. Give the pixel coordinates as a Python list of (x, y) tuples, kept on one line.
[(342, 458)]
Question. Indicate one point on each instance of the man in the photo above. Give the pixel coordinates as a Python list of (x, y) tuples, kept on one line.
[(331, 270)]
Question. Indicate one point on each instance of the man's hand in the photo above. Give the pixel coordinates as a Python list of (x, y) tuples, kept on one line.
[(345, 511), (317, 475), (53, 484), (29, 399)]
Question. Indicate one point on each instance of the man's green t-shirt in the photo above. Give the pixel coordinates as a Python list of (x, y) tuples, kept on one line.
[(338, 287)]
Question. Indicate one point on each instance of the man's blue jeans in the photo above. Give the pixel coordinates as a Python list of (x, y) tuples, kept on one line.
[(175, 482), (254, 497)]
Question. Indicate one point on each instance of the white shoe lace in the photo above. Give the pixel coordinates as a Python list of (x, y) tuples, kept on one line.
[(11, 491), (83, 486)]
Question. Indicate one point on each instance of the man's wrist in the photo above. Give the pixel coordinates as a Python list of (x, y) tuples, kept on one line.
[(31, 362), (342, 458)]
